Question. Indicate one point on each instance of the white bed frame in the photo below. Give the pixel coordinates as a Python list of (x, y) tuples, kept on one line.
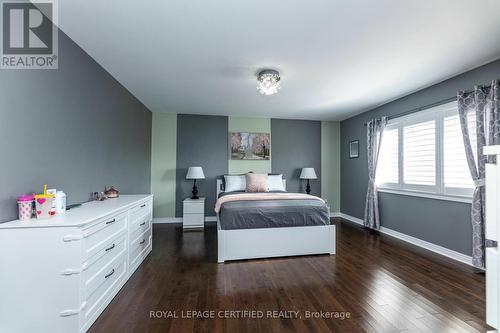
[(273, 242)]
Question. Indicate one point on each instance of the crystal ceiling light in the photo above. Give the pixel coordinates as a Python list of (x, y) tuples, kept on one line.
[(268, 82)]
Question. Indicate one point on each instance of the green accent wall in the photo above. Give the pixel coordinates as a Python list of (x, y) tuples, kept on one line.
[(255, 125), (163, 163), (330, 164)]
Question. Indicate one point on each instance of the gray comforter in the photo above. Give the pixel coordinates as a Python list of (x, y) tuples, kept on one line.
[(272, 214)]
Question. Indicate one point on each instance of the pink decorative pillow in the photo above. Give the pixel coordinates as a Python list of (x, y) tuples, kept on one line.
[(256, 182)]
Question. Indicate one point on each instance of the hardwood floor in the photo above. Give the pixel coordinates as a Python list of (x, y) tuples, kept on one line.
[(384, 284)]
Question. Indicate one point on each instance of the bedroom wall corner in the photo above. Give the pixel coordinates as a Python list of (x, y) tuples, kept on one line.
[(330, 164), (163, 163), (255, 125)]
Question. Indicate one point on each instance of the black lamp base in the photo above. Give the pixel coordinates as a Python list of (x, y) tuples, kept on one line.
[(195, 191), (308, 188)]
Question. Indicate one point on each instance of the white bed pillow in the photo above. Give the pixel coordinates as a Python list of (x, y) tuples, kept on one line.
[(234, 183), (275, 183)]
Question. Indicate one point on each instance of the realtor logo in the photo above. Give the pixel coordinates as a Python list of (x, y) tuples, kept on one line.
[(29, 35)]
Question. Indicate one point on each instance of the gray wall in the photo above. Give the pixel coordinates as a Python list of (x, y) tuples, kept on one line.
[(444, 223), (75, 128), (201, 141), (296, 144)]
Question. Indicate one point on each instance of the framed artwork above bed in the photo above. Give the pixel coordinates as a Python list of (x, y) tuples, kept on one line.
[(250, 146)]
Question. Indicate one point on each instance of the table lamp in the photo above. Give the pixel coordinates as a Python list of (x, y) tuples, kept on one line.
[(195, 173), (308, 173)]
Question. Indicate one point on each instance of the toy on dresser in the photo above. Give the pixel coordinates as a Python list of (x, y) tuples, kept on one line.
[(25, 206), (43, 205)]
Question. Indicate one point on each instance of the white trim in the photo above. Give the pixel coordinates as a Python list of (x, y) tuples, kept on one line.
[(335, 214), (179, 219), (416, 241), (167, 220), (351, 218), (446, 197)]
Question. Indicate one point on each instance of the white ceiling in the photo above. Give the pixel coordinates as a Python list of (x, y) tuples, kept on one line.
[(337, 58)]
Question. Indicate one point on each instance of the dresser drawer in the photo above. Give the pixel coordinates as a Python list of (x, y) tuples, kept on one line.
[(111, 279), (139, 245), (194, 207), (101, 261), (140, 224), (140, 230), (140, 210), (98, 236), (193, 220)]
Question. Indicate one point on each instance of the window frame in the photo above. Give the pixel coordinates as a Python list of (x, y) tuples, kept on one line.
[(437, 191)]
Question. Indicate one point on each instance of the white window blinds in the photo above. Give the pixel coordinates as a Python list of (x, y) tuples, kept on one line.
[(419, 157)]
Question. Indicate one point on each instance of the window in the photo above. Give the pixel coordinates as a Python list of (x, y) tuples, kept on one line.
[(456, 170), (419, 158), (423, 154), (388, 162)]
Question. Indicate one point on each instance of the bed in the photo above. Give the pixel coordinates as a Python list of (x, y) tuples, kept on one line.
[(248, 229)]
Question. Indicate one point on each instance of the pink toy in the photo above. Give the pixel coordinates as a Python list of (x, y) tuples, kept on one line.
[(25, 206)]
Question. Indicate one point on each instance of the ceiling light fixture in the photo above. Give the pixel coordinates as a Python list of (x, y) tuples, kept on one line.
[(268, 82)]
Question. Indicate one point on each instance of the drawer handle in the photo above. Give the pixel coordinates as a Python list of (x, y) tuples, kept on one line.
[(143, 223), (112, 221), (70, 238), (110, 273), (110, 248), (72, 312), (71, 271), (142, 241), (142, 206)]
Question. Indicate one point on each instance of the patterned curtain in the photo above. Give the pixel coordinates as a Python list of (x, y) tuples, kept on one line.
[(374, 132), (483, 104)]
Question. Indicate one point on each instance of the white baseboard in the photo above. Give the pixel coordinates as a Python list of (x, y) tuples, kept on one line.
[(335, 214), (416, 241), (351, 218), (179, 219), (167, 220)]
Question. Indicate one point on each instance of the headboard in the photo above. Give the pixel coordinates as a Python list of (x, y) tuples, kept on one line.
[(220, 186)]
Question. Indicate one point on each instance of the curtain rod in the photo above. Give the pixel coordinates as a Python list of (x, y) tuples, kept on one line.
[(444, 101), (405, 113)]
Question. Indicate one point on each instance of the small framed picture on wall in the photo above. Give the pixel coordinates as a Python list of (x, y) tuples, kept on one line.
[(354, 149)]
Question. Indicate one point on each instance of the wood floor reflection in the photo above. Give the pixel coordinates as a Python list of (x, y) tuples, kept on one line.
[(382, 284)]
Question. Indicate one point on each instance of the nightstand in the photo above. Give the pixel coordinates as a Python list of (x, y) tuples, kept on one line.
[(193, 213)]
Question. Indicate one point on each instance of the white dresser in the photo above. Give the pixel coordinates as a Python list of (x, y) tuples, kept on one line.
[(491, 232), (58, 275)]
